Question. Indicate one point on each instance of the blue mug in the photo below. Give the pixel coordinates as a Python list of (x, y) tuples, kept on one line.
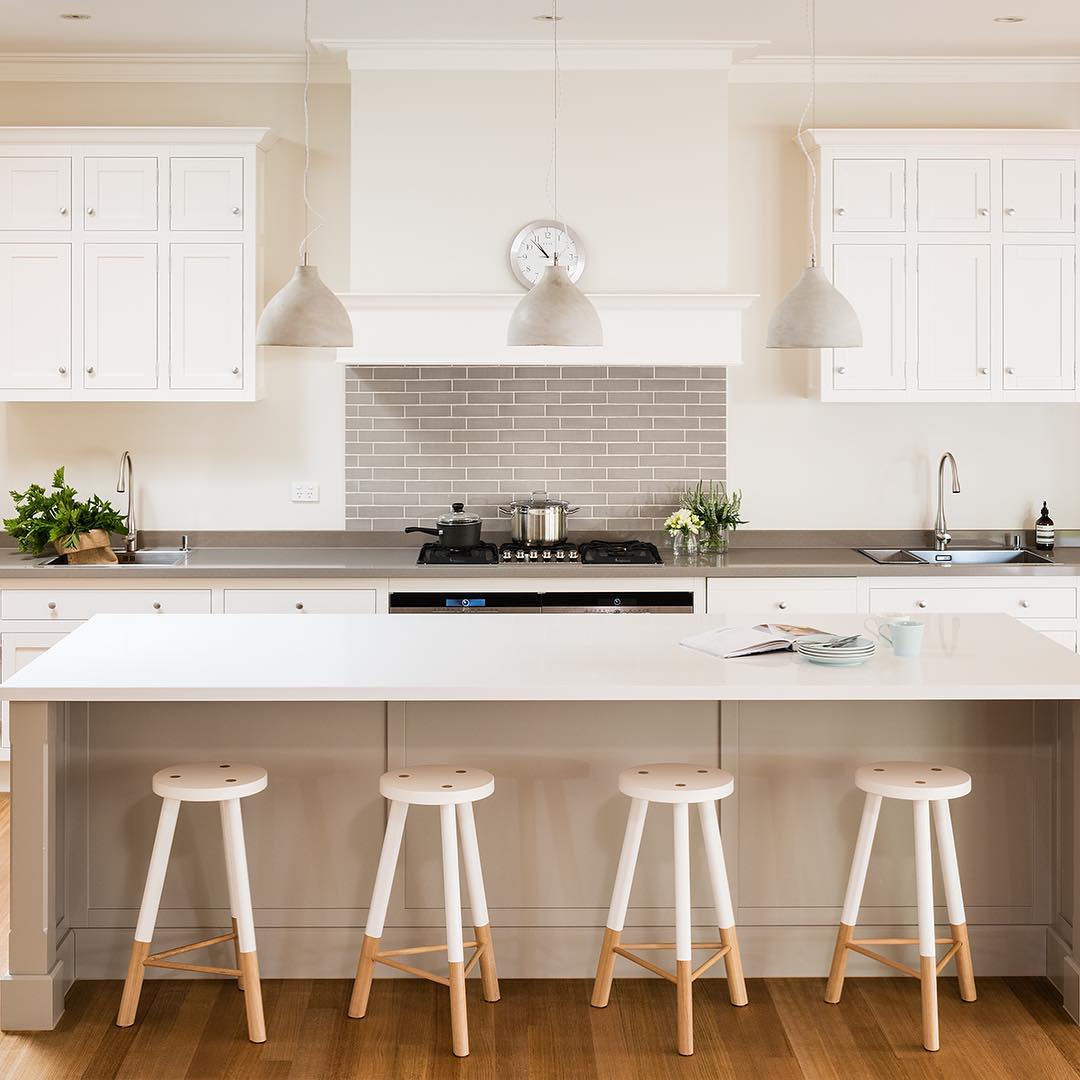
[(903, 634)]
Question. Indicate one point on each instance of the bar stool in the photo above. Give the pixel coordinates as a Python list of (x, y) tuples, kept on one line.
[(444, 786), (225, 784), (679, 785), (925, 786)]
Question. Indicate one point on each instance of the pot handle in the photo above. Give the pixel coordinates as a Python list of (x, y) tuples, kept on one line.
[(417, 528), (507, 511), (572, 510)]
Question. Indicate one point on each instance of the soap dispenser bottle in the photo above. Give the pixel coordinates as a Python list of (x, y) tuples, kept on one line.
[(1044, 530)]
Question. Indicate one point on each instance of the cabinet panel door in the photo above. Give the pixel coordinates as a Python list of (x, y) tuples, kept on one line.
[(1038, 343), (35, 193), (954, 196), (120, 323), (1038, 196), (35, 316), (868, 195), (953, 297), (872, 277), (206, 319), (207, 194), (16, 651), (120, 193)]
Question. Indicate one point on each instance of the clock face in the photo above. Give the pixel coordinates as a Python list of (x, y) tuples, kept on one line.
[(535, 246)]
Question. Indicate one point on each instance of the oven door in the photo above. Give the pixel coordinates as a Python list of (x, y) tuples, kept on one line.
[(464, 603)]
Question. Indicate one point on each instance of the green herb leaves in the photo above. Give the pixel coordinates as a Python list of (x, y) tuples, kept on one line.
[(44, 518)]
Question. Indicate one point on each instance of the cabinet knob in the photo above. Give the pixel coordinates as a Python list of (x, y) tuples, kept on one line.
[(63, 211), (299, 606), (1025, 603), (841, 371), (90, 370), (920, 603), (984, 371), (782, 605), (982, 211), (1009, 211), (62, 370), (236, 210), (840, 211), (90, 211), (51, 605), (1010, 371), (156, 605), (236, 371)]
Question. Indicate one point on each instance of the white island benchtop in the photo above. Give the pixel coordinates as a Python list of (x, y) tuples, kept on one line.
[(521, 658)]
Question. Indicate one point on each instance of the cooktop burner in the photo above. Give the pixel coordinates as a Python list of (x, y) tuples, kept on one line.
[(440, 555), (619, 552)]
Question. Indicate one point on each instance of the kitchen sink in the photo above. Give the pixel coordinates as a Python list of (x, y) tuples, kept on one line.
[(954, 556), (132, 558)]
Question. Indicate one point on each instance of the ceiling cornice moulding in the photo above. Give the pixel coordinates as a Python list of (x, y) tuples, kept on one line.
[(910, 69), (169, 67)]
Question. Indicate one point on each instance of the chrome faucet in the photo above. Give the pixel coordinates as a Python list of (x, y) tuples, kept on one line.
[(941, 530), (126, 483)]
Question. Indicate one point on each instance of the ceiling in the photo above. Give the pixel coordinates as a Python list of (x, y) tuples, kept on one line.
[(845, 27)]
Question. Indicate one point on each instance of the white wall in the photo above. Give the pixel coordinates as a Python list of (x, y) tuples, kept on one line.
[(210, 466), (804, 464)]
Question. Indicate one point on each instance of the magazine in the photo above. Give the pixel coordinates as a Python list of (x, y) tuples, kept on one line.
[(730, 641)]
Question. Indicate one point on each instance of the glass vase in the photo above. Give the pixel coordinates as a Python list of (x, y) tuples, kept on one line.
[(683, 544), (715, 540)]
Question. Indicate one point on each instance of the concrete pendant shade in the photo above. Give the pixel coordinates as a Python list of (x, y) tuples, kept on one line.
[(305, 314), (555, 312), (814, 315)]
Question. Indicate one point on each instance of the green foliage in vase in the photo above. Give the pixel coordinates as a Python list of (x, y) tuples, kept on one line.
[(714, 505), (44, 518)]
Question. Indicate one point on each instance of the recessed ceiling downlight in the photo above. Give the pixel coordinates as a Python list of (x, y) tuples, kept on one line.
[(75, 16), (1010, 18)]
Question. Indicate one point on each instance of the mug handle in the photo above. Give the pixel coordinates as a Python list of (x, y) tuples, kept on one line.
[(877, 626)]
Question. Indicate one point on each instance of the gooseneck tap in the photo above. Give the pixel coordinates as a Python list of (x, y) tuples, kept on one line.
[(126, 483), (941, 530)]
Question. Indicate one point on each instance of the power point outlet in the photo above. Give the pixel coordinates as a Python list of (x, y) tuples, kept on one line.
[(304, 491)]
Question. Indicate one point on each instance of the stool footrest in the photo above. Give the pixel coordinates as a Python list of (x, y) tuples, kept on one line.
[(720, 951), (859, 946), (389, 958), (416, 950), (203, 969), (205, 943)]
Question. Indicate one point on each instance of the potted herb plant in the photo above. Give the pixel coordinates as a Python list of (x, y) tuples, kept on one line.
[(57, 519), (717, 509)]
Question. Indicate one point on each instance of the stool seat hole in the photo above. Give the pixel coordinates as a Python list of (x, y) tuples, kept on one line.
[(224, 766), (680, 785), (935, 768), (920, 781), (175, 776), (459, 771), (231, 780), (448, 785), (404, 776), (643, 772)]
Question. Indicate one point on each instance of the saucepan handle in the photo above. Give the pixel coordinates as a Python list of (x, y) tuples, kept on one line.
[(572, 510), (430, 532)]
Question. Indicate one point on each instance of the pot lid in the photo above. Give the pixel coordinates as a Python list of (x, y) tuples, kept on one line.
[(458, 515), (540, 500)]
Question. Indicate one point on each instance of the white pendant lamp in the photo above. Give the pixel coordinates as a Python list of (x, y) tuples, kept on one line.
[(305, 313), (814, 314), (555, 311)]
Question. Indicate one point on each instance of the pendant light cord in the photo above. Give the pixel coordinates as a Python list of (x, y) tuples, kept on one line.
[(811, 109), (309, 210), (556, 89)]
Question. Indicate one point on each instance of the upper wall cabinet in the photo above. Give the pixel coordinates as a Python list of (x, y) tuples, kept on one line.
[(957, 249), (130, 260)]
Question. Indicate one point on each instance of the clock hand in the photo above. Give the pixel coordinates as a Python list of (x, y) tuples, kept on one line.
[(542, 251)]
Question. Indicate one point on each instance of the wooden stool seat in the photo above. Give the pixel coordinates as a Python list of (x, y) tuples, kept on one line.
[(453, 789), (679, 785), (225, 783), (928, 787)]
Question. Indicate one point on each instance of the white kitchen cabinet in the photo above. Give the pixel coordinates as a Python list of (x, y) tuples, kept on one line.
[(207, 317), (74, 605), (1038, 196), (1038, 335), (35, 193), (207, 194), (338, 601), (781, 597), (16, 651), (1032, 599), (874, 279), (868, 195), (120, 318), (953, 316), (953, 196), (120, 193), (155, 292), (35, 331)]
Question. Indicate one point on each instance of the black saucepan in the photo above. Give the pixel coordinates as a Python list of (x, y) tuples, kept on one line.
[(456, 529)]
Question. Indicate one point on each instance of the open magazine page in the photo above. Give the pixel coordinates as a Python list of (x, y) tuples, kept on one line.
[(731, 641)]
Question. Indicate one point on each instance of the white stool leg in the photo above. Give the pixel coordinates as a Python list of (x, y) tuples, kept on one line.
[(860, 862), (474, 880), (455, 948), (683, 953), (380, 900), (620, 900), (232, 831), (148, 910), (725, 913), (954, 897), (924, 887)]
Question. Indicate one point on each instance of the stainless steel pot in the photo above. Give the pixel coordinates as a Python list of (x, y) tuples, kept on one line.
[(539, 519)]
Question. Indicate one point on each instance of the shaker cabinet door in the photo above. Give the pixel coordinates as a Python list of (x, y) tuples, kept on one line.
[(35, 316), (120, 193), (207, 194), (953, 317), (35, 193), (953, 196), (1038, 344), (868, 195), (1038, 196)]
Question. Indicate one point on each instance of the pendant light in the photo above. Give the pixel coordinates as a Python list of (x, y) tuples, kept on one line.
[(814, 314), (305, 313), (555, 311)]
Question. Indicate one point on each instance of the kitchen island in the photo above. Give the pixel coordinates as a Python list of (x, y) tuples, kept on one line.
[(554, 706)]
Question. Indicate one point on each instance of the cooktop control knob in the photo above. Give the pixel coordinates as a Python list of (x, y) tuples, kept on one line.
[(574, 554)]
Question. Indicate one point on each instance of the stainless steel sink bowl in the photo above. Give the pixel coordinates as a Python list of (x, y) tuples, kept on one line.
[(131, 558), (955, 556)]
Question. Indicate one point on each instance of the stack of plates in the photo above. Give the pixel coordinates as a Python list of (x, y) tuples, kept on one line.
[(818, 650)]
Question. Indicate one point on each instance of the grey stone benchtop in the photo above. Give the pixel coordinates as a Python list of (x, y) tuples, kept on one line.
[(381, 555)]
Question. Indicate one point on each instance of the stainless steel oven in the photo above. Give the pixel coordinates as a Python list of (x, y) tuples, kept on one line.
[(590, 602)]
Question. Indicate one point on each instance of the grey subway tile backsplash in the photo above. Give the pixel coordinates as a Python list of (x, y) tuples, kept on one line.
[(620, 442)]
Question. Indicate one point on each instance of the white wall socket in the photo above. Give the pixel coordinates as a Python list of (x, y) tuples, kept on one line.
[(305, 491)]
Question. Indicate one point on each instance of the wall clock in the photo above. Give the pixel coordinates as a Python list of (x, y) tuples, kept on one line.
[(534, 248)]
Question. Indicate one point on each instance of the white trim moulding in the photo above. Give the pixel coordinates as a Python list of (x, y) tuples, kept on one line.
[(263, 138), (910, 69), (456, 329)]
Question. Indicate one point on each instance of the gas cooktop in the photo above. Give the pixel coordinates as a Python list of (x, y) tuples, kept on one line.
[(592, 552)]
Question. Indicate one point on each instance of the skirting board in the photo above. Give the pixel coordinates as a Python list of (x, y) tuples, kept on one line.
[(550, 952)]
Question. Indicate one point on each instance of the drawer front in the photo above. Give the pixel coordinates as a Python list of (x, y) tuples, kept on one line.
[(1062, 637), (299, 601), (68, 604), (1027, 603), (782, 596)]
